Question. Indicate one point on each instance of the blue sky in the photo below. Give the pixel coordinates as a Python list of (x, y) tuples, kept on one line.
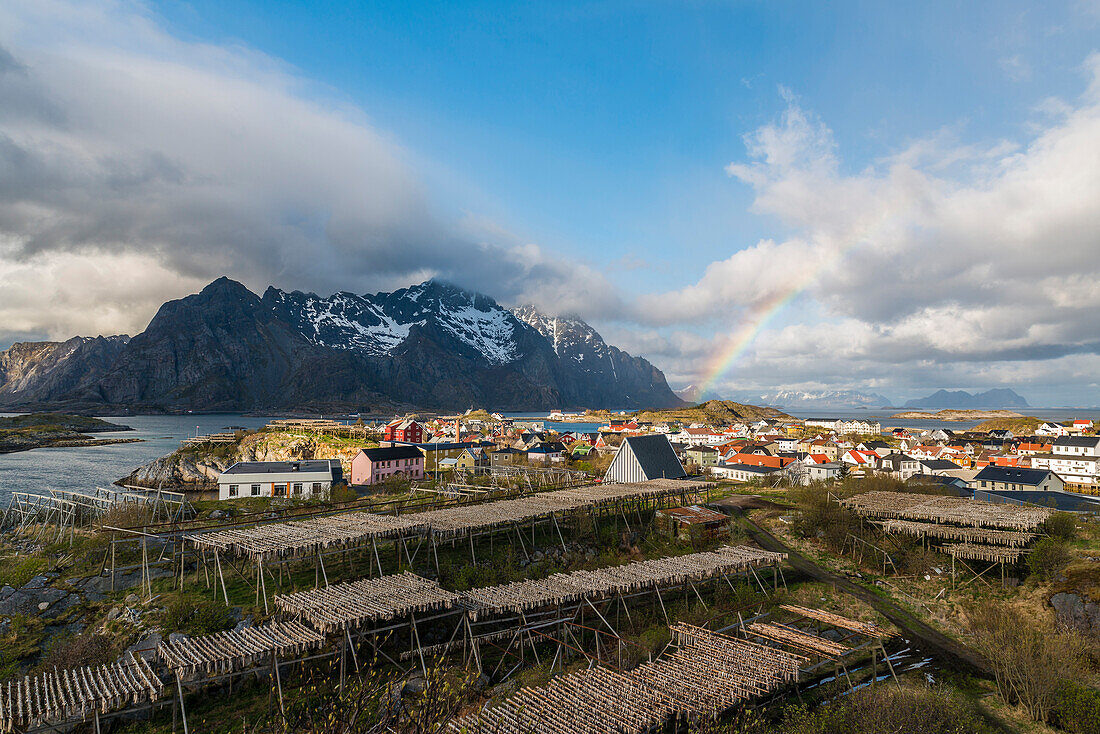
[(588, 145), (603, 129)]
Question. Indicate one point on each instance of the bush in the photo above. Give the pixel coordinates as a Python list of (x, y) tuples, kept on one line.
[(79, 650), (1030, 665), (342, 493), (1048, 557), (886, 710), (820, 516), (1078, 709), (16, 571), (197, 616), (1061, 525)]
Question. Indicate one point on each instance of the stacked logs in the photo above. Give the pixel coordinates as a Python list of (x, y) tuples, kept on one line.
[(707, 674), (355, 603), (234, 650), (58, 696), (790, 637), (867, 629)]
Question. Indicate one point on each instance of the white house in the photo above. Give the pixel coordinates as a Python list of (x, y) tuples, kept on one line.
[(1076, 459), (1051, 429), (293, 479)]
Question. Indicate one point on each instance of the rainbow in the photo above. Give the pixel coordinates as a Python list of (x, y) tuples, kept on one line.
[(749, 329)]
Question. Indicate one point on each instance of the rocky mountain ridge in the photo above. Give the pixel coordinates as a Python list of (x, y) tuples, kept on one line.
[(960, 399), (430, 346)]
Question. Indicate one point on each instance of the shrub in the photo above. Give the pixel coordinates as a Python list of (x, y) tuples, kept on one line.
[(342, 493), (1078, 708), (197, 615), (79, 650), (820, 516), (1048, 557), (1061, 525), (1030, 665), (16, 571), (886, 710)]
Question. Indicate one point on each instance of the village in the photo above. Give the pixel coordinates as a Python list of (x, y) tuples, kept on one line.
[(1056, 458), (479, 573)]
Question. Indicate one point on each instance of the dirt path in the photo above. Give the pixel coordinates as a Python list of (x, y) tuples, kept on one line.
[(950, 651)]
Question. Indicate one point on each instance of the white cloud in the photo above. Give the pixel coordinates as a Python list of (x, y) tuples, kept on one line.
[(123, 146), (937, 260)]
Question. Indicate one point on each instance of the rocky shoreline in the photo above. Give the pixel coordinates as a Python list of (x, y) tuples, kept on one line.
[(956, 415), (55, 430)]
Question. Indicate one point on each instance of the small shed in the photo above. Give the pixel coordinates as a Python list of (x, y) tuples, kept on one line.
[(693, 522)]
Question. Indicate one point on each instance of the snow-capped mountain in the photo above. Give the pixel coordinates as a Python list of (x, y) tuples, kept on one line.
[(379, 323), (825, 399), (572, 340), (432, 346)]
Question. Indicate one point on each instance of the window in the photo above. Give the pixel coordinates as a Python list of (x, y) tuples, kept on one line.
[(234, 490), (255, 490), (297, 488), (316, 487), (279, 490)]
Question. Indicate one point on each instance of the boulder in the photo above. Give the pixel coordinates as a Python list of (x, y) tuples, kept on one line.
[(1073, 611), (145, 647)]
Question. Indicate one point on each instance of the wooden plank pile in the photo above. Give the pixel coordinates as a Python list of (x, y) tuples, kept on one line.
[(298, 539), (956, 510), (867, 629), (1012, 538), (790, 637), (705, 675), (988, 553), (58, 696), (356, 603), (566, 588), (233, 650)]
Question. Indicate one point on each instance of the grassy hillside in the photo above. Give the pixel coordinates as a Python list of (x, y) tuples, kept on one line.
[(81, 423), (38, 430), (712, 411), (1025, 424)]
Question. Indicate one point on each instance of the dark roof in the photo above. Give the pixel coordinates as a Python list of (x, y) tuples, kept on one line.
[(1065, 501), (704, 449), (1089, 442), (1011, 474), (957, 486), (393, 452), (877, 444), (508, 450), (656, 457), (938, 464), (279, 467), (547, 448)]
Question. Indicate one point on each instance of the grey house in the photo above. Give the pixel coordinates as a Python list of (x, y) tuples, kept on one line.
[(295, 479)]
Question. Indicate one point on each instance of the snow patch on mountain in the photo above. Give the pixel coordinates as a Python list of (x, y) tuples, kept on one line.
[(379, 323)]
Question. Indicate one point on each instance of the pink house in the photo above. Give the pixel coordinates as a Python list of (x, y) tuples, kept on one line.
[(371, 466)]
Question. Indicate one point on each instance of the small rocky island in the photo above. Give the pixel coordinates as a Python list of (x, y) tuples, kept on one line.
[(39, 430)]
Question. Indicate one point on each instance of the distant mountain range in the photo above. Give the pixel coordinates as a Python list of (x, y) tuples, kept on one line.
[(431, 346), (996, 398), (827, 399), (795, 399)]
